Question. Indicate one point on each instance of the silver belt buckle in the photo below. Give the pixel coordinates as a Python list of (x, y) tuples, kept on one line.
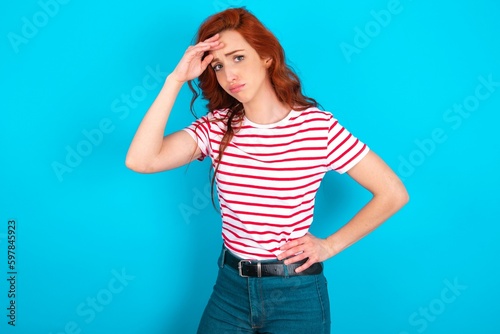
[(240, 266), (259, 268)]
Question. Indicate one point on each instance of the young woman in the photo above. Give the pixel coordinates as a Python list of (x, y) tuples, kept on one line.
[(270, 146)]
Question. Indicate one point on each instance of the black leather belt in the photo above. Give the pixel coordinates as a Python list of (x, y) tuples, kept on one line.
[(254, 268)]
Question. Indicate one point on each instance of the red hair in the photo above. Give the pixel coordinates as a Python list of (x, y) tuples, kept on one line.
[(285, 82)]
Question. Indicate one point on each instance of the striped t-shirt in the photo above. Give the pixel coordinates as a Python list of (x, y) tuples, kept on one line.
[(270, 173)]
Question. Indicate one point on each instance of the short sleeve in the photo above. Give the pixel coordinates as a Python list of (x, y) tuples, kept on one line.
[(344, 150), (200, 132)]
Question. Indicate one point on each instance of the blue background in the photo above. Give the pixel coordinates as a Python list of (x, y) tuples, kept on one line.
[(79, 228)]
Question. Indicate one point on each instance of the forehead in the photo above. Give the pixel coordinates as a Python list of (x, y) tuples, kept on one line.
[(232, 41)]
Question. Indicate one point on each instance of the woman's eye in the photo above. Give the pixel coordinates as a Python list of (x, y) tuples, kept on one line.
[(239, 58), (217, 67)]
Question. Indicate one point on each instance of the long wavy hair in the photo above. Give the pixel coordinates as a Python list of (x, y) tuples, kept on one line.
[(285, 82)]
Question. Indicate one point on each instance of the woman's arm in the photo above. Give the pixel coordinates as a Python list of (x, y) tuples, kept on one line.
[(389, 195), (151, 151)]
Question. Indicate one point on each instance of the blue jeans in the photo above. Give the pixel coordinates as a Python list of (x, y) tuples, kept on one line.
[(270, 305)]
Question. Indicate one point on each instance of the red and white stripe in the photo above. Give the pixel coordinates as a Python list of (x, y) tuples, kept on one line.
[(269, 175)]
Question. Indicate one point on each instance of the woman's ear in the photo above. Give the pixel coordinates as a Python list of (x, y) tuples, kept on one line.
[(268, 61)]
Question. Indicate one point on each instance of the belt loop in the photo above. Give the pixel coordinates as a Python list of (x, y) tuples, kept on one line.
[(285, 270), (223, 256), (259, 269)]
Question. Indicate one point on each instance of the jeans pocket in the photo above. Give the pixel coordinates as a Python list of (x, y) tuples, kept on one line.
[(324, 298)]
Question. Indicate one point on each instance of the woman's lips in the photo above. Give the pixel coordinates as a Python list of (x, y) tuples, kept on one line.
[(236, 88)]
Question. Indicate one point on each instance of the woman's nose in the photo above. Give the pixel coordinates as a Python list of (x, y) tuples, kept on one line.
[(231, 75)]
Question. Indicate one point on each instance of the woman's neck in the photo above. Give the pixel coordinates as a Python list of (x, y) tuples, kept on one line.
[(265, 107)]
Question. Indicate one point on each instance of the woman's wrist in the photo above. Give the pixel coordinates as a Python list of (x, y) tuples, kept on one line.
[(173, 80), (334, 244)]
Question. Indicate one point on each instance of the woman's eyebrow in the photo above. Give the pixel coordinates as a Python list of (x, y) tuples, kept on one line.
[(227, 54)]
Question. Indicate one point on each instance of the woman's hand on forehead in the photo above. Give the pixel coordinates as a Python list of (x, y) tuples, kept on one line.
[(195, 60)]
